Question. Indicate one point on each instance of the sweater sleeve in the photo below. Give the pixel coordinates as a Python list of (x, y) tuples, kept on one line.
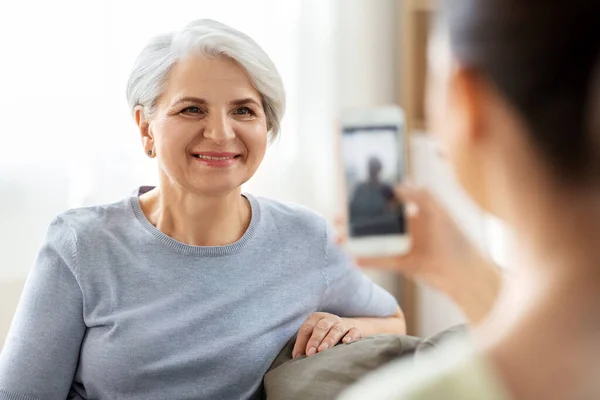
[(349, 292), (40, 356)]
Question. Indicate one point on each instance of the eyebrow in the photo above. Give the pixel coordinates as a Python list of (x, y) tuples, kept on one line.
[(198, 100), (247, 100)]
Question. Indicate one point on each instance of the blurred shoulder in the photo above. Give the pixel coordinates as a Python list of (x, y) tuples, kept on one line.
[(456, 372)]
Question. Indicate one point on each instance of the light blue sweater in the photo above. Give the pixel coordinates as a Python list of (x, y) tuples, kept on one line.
[(115, 309)]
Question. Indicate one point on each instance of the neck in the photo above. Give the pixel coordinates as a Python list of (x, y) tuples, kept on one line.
[(558, 236), (197, 219), (558, 232), (552, 297)]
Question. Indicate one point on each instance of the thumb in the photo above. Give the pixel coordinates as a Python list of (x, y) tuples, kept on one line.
[(417, 208), (411, 194)]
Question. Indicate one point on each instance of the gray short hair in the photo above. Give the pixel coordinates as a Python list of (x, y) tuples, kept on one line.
[(210, 38)]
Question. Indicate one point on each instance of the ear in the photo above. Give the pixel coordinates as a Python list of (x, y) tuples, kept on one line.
[(472, 133), (466, 101), (145, 132)]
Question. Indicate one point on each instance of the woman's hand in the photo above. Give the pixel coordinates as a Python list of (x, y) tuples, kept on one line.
[(322, 331), (440, 251), (441, 256)]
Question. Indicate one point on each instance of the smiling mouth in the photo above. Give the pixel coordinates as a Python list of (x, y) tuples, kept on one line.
[(217, 160), (202, 157)]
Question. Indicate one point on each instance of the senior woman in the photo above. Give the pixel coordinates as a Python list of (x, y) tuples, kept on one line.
[(515, 99), (188, 290)]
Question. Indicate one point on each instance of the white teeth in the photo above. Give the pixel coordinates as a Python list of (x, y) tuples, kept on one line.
[(213, 158)]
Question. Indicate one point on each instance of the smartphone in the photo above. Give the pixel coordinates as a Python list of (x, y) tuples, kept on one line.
[(373, 154)]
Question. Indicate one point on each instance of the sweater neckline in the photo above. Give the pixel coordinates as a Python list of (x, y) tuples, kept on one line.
[(207, 251)]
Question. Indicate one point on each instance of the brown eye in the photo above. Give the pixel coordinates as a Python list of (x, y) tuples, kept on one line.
[(191, 110), (244, 111)]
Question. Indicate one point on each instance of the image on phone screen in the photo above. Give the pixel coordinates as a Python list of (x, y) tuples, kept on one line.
[(373, 164)]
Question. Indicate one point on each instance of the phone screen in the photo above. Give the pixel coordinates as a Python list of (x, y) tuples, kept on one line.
[(373, 164)]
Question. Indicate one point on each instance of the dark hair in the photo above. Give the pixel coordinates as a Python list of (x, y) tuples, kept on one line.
[(543, 57)]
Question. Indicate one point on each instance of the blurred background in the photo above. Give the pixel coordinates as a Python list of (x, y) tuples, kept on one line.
[(67, 139)]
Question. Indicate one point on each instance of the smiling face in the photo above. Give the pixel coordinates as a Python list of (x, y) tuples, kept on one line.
[(209, 129)]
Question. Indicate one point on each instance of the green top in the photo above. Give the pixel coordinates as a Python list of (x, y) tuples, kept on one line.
[(455, 372)]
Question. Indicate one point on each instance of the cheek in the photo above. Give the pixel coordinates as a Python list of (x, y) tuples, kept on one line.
[(455, 153), (255, 138), (173, 136)]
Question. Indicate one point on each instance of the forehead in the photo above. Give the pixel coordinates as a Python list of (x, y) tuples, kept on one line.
[(209, 77)]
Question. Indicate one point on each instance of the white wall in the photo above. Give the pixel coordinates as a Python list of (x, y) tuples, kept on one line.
[(366, 52)]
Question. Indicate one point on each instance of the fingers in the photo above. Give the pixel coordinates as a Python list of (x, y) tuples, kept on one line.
[(304, 334), (353, 335), (321, 330), (418, 206), (415, 202), (420, 196), (339, 332), (412, 194), (334, 336)]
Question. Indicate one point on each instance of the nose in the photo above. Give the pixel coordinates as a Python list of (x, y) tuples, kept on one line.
[(218, 129)]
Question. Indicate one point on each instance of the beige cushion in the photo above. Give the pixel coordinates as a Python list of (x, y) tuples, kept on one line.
[(325, 375)]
